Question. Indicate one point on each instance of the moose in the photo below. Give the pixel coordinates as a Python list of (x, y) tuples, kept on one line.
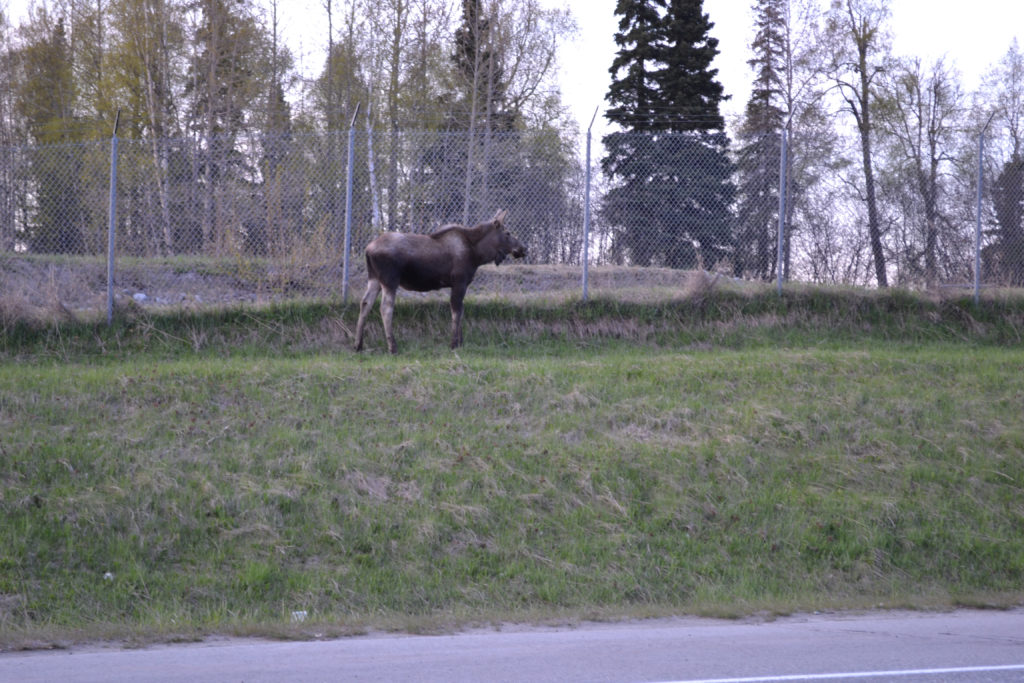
[(447, 257)]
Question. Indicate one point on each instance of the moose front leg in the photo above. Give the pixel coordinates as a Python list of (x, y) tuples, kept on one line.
[(458, 294)]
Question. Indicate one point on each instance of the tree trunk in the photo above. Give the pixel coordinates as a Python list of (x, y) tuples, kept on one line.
[(874, 230), (874, 227)]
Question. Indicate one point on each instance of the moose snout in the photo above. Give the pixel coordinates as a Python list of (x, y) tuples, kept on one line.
[(518, 250)]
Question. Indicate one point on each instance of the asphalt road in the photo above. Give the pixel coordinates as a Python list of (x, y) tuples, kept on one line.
[(903, 647)]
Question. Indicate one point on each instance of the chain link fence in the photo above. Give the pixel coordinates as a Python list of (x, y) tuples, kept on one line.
[(254, 219)]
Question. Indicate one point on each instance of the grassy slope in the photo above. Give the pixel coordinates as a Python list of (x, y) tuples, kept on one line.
[(718, 456)]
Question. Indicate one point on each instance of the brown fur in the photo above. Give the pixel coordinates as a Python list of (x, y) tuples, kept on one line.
[(447, 257)]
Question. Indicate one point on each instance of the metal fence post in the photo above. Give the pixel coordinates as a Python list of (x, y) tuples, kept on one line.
[(782, 204), (348, 205), (586, 213), (977, 225), (112, 225)]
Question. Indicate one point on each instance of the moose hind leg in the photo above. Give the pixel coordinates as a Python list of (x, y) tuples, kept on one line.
[(372, 289), (387, 314)]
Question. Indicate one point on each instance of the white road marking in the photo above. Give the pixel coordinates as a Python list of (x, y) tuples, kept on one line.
[(859, 674)]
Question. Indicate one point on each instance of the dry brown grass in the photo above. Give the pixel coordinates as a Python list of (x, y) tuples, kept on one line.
[(38, 294), (35, 290), (46, 291)]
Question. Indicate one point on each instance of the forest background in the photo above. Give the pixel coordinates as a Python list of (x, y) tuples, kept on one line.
[(882, 171)]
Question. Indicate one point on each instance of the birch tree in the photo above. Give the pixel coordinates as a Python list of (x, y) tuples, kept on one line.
[(858, 41), (920, 116)]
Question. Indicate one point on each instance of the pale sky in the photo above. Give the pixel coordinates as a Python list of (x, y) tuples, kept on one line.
[(972, 35)]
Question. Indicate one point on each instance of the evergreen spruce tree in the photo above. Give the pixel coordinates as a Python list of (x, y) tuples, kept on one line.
[(759, 137), (672, 190), (1004, 260), (46, 99), (687, 80), (478, 66), (634, 96)]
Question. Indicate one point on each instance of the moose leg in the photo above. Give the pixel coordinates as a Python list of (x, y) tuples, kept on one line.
[(387, 313), (372, 289), (458, 294)]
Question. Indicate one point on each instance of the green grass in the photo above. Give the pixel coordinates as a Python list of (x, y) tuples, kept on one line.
[(210, 472)]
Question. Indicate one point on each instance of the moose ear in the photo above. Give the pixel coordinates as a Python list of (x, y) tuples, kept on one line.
[(500, 216)]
